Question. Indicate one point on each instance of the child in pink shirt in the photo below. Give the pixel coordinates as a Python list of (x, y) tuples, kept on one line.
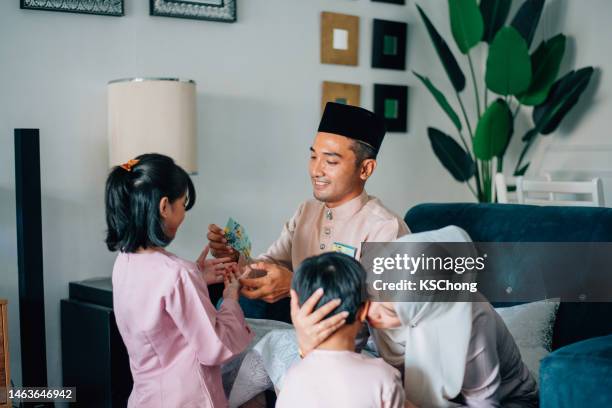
[(333, 374), (175, 338)]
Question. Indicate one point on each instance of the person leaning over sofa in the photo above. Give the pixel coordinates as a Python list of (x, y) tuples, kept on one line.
[(451, 353), (342, 216)]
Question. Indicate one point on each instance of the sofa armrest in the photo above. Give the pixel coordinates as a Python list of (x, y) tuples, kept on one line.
[(578, 375)]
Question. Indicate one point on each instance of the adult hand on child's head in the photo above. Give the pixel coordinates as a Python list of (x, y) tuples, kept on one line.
[(213, 270), (310, 328), (269, 288), (218, 243), (232, 284)]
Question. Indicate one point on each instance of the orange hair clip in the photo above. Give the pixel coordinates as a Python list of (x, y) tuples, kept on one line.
[(130, 164)]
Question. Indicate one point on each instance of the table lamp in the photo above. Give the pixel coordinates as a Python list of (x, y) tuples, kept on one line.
[(152, 115)]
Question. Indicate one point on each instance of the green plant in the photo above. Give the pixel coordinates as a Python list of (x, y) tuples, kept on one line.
[(518, 78)]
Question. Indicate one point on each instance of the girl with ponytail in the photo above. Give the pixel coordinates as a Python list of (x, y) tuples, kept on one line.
[(175, 338)]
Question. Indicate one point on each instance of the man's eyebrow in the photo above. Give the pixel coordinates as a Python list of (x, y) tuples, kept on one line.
[(333, 154)]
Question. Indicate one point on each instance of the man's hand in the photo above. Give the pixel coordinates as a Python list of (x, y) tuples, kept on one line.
[(310, 328), (270, 288), (218, 243)]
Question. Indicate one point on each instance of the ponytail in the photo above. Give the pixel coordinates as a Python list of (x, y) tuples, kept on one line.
[(117, 202)]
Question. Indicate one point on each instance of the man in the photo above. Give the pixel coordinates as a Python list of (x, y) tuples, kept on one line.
[(340, 218)]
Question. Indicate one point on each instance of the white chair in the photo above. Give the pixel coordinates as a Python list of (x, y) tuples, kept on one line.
[(501, 188), (503, 184), (574, 193)]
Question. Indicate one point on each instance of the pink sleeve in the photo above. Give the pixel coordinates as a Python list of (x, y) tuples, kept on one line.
[(216, 336), (280, 250)]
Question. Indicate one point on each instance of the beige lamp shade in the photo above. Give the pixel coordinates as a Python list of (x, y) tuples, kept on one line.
[(152, 115)]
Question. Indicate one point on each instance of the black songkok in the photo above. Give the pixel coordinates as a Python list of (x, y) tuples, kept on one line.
[(353, 122)]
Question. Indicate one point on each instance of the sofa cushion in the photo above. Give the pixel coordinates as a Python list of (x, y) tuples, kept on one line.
[(531, 325), (578, 375)]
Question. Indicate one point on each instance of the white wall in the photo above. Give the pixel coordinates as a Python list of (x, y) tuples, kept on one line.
[(259, 95), (582, 146)]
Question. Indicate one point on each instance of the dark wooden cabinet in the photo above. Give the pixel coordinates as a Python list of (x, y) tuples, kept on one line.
[(94, 358)]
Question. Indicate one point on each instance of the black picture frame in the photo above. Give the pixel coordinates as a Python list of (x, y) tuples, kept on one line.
[(391, 102), (401, 2), (212, 10), (114, 8), (389, 44)]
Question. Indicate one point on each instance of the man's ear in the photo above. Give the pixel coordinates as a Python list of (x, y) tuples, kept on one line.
[(363, 314), (164, 207), (367, 168)]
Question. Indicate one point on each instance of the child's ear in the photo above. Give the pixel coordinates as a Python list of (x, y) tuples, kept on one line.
[(164, 207), (363, 314)]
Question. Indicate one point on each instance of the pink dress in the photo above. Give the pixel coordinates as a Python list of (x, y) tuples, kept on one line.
[(175, 338)]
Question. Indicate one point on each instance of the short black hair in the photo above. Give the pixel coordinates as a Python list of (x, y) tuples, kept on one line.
[(132, 201), (340, 277), (362, 152)]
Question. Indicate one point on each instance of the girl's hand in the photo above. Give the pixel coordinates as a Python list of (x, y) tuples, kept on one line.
[(310, 328), (213, 270), (232, 284)]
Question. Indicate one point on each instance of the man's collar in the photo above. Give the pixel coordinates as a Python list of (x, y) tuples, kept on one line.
[(347, 209)]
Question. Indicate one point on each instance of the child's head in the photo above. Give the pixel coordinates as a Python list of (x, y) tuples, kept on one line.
[(146, 201), (340, 277)]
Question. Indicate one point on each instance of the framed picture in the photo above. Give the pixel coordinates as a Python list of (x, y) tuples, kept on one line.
[(100, 7), (389, 45), (391, 102), (215, 10), (391, 1), (348, 94), (339, 39)]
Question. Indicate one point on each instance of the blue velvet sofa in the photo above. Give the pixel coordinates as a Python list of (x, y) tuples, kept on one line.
[(578, 373)]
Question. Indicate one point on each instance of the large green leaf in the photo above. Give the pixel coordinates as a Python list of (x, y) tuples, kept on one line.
[(444, 53), (508, 64), (442, 101), (466, 23), (527, 18), (545, 63), (494, 13), (452, 156), (493, 130), (563, 95)]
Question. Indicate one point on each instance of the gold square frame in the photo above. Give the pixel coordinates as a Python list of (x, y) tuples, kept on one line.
[(330, 55), (333, 91)]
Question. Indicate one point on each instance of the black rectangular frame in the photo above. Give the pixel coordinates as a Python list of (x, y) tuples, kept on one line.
[(379, 30), (399, 92), (400, 2), (114, 8), (226, 13)]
